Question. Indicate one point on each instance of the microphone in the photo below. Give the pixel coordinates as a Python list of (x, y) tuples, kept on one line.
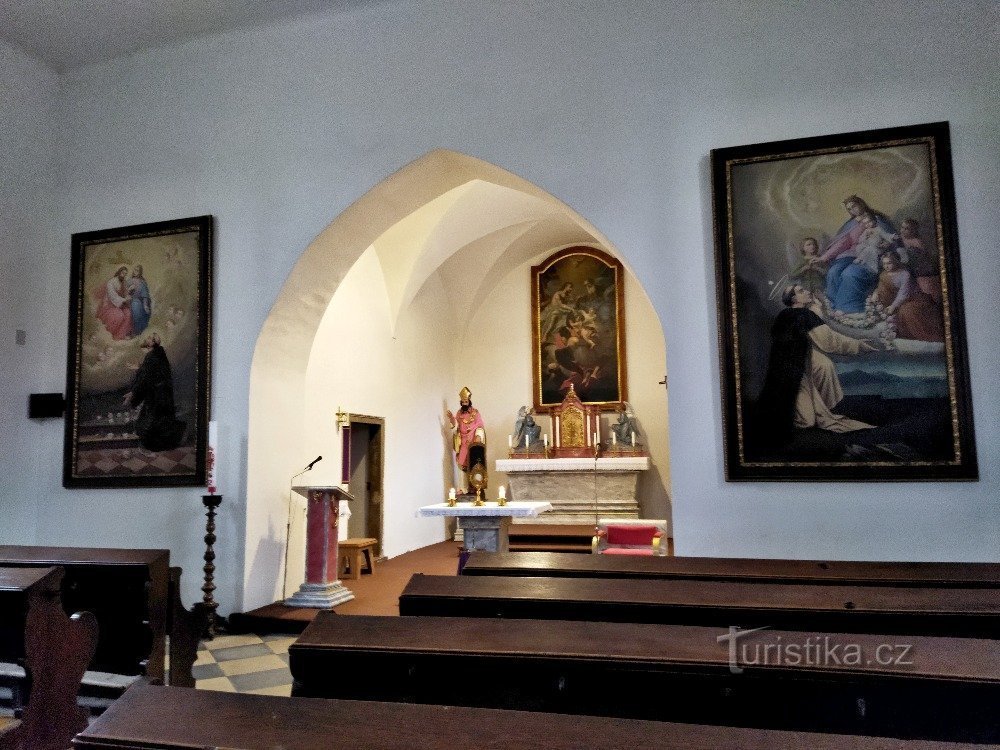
[(314, 462)]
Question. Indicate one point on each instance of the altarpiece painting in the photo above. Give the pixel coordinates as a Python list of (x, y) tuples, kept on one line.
[(578, 329)]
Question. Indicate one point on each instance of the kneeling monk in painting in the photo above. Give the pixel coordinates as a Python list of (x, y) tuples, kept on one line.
[(153, 389)]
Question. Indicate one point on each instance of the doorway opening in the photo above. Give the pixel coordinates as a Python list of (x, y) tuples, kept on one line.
[(364, 446)]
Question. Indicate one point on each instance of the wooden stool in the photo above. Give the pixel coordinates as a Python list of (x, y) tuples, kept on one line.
[(350, 556)]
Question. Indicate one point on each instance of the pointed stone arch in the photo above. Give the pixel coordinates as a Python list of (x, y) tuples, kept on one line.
[(446, 206)]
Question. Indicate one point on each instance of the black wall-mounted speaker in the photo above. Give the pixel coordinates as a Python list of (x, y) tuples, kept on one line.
[(46, 405)]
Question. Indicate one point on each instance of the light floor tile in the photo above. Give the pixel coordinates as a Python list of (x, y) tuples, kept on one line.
[(219, 684), (279, 644), (204, 657), (228, 641), (254, 664)]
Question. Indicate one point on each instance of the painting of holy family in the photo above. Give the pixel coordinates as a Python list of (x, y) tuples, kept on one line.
[(137, 382), (841, 322)]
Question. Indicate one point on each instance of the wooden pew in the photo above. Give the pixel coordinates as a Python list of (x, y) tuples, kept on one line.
[(53, 649), (931, 688), (163, 718), (840, 609), (820, 572), (130, 593)]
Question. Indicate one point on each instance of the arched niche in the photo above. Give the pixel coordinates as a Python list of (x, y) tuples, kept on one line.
[(418, 288)]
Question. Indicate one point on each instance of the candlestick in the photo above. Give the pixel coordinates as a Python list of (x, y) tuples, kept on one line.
[(212, 458), (451, 494), (211, 502)]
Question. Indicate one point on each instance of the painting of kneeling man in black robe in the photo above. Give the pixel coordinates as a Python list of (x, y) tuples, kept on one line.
[(137, 380), (842, 328)]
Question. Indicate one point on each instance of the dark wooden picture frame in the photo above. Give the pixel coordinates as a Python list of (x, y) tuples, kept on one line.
[(578, 329), (139, 356), (841, 327)]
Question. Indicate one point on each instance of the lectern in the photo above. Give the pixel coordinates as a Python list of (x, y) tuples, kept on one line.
[(321, 588)]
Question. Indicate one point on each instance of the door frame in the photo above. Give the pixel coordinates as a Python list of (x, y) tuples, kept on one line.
[(376, 468)]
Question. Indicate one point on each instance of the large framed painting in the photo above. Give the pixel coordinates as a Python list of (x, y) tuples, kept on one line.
[(841, 325), (137, 382), (578, 329)]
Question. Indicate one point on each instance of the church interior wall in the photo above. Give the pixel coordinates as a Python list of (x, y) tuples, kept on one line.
[(28, 281), (277, 129), (359, 363)]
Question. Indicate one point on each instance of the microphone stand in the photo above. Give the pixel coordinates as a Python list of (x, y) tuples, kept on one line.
[(288, 531)]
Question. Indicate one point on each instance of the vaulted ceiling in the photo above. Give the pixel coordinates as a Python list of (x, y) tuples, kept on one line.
[(66, 34)]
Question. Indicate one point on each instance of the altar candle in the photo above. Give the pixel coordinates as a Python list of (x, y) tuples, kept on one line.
[(525, 441), (614, 438), (546, 440), (503, 492), (213, 457), (451, 494), (633, 440), (595, 438), (510, 441)]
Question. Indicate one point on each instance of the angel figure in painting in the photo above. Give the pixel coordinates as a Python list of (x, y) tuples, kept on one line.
[(809, 270)]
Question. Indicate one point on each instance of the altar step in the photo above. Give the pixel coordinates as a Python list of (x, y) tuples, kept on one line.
[(547, 537)]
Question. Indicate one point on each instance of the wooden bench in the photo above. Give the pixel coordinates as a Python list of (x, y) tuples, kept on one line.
[(351, 551), (841, 609), (911, 687), (167, 718), (131, 594), (820, 572), (53, 649)]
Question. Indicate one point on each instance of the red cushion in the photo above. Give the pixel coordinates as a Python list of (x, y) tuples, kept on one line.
[(625, 551), (631, 534)]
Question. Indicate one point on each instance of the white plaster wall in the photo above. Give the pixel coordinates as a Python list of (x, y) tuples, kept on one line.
[(29, 284), (610, 107), (359, 364), (497, 355)]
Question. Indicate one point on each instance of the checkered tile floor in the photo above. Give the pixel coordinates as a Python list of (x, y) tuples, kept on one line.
[(130, 461), (245, 664)]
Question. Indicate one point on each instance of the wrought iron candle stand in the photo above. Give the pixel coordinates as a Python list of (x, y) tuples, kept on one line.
[(211, 502)]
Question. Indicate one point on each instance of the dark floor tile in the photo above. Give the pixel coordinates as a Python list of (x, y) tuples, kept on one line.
[(258, 680), (241, 652)]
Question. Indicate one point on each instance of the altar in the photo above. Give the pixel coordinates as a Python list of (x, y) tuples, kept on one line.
[(579, 489), (485, 527)]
